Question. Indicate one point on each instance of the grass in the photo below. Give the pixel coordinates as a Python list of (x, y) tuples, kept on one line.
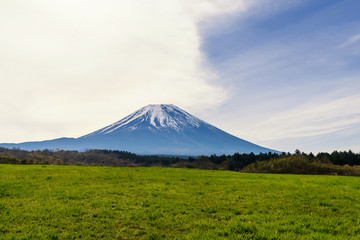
[(73, 202)]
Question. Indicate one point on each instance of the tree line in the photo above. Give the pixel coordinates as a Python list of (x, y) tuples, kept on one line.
[(337, 162)]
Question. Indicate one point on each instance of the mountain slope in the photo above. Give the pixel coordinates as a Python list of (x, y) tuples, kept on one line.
[(154, 129)]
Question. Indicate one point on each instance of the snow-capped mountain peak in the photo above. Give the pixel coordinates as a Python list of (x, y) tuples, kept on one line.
[(158, 116), (167, 116)]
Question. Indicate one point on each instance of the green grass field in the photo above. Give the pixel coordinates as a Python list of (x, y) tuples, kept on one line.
[(73, 202)]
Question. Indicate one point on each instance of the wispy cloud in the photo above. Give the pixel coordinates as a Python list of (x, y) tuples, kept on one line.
[(311, 119), (287, 92), (350, 41)]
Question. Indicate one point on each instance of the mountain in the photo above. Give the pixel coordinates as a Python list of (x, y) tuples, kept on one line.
[(154, 129)]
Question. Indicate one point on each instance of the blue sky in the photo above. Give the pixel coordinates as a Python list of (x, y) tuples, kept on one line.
[(294, 75), (282, 74)]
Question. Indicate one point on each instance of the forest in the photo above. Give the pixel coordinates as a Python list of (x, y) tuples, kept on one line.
[(335, 163)]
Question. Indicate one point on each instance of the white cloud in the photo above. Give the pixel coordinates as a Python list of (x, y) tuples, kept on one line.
[(67, 67)]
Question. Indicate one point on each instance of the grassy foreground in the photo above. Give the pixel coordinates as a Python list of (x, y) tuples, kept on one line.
[(72, 202)]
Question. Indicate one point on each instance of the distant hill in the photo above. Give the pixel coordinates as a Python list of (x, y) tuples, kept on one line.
[(154, 129)]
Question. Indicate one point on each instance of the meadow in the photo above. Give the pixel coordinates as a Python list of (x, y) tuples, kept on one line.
[(84, 202)]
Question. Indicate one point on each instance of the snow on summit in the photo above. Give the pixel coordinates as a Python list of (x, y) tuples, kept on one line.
[(159, 116)]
